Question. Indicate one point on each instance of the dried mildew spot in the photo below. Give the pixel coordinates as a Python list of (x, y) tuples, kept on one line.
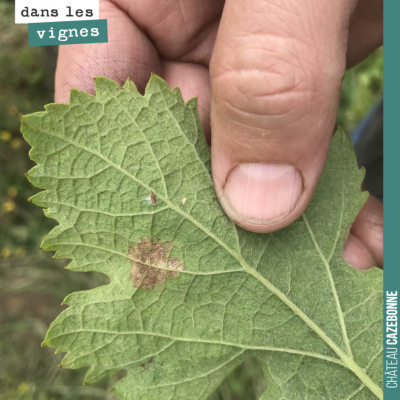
[(150, 264)]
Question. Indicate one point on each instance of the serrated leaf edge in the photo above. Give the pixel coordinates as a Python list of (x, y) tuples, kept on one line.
[(346, 359)]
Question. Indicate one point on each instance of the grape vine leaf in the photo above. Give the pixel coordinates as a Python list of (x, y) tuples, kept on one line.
[(191, 295)]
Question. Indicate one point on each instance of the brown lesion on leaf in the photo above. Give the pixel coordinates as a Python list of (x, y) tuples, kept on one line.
[(153, 198), (150, 264)]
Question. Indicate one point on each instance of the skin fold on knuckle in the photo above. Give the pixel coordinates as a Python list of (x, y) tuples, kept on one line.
[(262, 100)]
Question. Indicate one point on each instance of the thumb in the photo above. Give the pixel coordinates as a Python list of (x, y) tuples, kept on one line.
[(276, 73)]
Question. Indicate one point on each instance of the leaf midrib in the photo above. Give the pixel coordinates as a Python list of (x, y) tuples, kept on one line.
[(348, 361)]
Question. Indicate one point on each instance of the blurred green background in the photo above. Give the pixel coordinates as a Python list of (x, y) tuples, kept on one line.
[(32, 284)]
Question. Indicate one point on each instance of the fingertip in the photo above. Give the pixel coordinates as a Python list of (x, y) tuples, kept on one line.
[(357, 254), (368, 229)]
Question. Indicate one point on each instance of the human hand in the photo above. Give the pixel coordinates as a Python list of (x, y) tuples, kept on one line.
[(271, 71)]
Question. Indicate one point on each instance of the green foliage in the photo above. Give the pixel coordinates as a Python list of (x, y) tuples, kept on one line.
[(361, 89), (191, 296), (22, 77)]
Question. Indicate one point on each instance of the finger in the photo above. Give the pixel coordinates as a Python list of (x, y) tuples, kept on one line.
[(364, 246), (276, 74), (357, 254), (365, 31), (194, 81), (128, 53), (181, 30)]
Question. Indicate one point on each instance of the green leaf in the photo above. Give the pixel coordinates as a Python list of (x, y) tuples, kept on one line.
[(191, 295)]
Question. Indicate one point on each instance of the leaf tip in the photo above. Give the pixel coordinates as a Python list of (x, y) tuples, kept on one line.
[(104, 87), (154, 78), (193, 103), (130, 86), (73, 94)]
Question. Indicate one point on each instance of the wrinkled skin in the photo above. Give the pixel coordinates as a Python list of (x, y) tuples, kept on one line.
[(271, 71)]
